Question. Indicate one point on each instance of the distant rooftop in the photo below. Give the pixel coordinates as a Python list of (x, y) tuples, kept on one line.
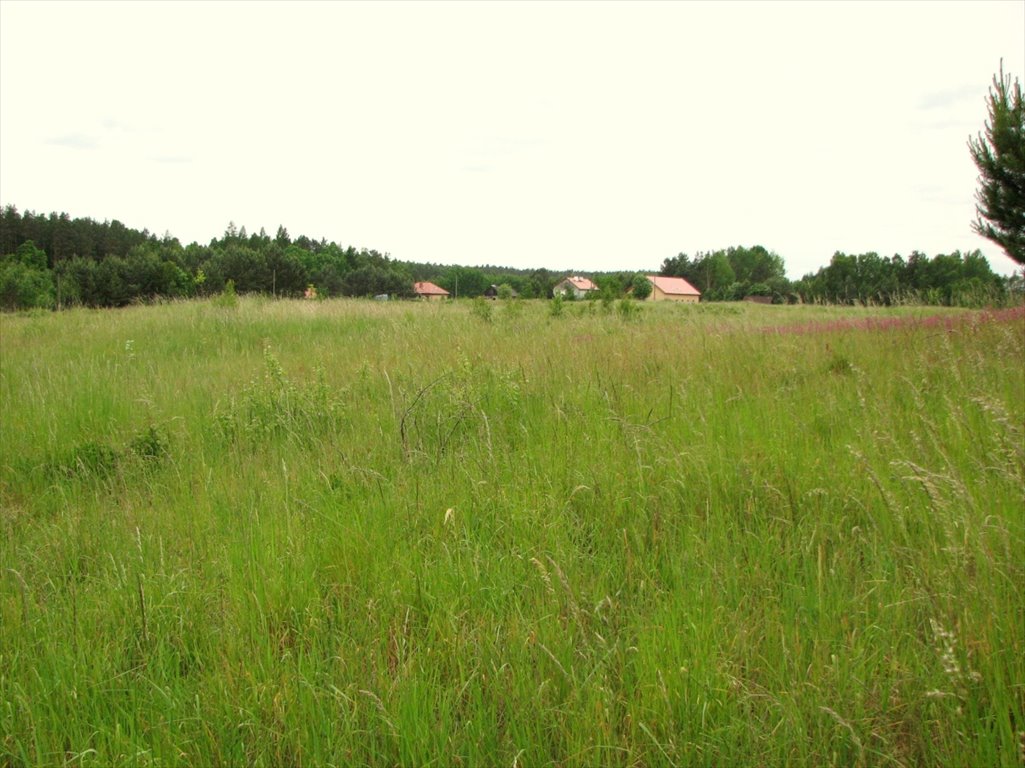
[(673, 286), (582, 283), (429, 289)]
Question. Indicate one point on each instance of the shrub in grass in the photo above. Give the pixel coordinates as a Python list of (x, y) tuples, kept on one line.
[(460, 410), (513, 308), (150, 445), (97, 459), (556, 305), (274, 406), (91, 458), (841, 365), (628, 309), (481, 309), (228, 298)]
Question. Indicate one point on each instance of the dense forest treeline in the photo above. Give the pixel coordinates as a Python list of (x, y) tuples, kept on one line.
[(57, 261), (953, 279)]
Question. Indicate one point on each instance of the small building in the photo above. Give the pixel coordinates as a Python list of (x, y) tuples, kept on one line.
[(579, 287), (672, 289), (430, 291)]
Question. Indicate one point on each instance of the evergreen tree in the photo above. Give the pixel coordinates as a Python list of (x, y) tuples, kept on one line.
[(1000, 158)]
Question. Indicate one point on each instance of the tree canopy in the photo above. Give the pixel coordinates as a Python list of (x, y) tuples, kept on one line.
[(952, 279), (732, 273)]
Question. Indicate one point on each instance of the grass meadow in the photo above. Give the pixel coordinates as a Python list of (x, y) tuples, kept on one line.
[(288, 533)]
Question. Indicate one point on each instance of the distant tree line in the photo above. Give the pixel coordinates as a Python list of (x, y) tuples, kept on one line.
[(952, 279), (59, 261), (53, 260)]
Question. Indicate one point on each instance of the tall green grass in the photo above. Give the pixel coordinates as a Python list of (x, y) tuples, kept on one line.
[(356, 533)]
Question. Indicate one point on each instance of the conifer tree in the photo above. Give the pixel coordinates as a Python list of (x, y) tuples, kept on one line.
[(999, 155)]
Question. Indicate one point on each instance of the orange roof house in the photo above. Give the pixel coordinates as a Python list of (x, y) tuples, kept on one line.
[(672, 289), (578, 286), (430, 291)]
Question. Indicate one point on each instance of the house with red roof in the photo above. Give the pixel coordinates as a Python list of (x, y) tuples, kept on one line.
[(672, 289), (429, 291), (579, 287)]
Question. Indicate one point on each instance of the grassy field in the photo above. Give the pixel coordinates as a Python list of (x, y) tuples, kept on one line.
[(357, 533)]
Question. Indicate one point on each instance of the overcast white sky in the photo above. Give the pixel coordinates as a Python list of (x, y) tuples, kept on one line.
[(584, 135)]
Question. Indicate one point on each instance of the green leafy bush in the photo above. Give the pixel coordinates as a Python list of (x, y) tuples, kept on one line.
[(481, 309), (272, 406), (556, 305), (25, 287)]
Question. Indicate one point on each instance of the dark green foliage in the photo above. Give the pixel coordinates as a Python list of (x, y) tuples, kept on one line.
[(245, 266), (62, 237), (288, 274), (731, 274), (640, 287), (77, 277), (999, 155), (541, 283), (952, 279), (24, 287), (109, 265), (25, 280), (371, 280), (98, 460), (30, 256), (464, 282)]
